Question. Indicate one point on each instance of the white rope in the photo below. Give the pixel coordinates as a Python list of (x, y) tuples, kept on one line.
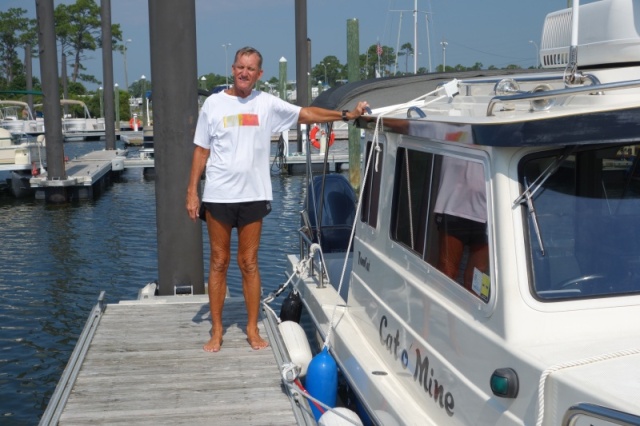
[(304, 393), (591, 360)]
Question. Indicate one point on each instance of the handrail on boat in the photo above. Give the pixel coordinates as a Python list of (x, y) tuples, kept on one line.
[(60, 396), (531, 96), (602, 413), (305, 244)]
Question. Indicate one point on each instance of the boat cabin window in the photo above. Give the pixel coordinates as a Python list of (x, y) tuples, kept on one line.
[(371, 187), (440, 213), (583, 222)]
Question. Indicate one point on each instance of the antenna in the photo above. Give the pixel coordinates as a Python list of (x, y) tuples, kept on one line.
[(571, 71)]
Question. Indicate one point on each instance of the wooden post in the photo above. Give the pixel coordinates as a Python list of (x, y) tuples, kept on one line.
[(353, 73)]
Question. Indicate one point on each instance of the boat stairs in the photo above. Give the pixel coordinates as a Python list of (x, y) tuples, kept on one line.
[(141, 362)]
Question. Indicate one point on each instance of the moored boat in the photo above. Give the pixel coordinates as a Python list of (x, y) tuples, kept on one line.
[(492, 276), (17, 118), (82, 126)]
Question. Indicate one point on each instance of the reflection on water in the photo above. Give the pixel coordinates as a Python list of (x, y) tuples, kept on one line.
[(55, 260)]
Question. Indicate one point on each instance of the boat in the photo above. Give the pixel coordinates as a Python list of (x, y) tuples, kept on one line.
[(17, 117), (82, 126), (23, 157), (489, 271)]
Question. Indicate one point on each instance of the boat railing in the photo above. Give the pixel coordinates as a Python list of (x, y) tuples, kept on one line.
[(305, 250), (550, 94), (63, 389), (594, 411)]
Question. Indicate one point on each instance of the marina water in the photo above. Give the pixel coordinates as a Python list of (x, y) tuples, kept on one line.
[(55, 260)]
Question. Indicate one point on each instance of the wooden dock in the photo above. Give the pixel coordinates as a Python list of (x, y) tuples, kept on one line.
[(143, 364)]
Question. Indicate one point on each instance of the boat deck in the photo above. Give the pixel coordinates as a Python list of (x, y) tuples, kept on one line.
[(145, 365)]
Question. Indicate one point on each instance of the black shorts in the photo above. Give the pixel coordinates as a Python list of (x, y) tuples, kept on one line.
[(466, 230), (239, 214)]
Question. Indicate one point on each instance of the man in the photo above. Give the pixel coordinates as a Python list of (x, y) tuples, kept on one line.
[(232, 139)]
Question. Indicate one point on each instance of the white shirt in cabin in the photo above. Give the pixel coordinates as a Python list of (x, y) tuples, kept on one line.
[(462, 191)]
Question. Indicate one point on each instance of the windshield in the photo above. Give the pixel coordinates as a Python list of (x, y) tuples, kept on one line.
[(588, 221)]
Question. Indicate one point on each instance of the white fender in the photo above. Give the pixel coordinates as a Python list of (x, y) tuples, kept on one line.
[(332, 419), (297, 344)]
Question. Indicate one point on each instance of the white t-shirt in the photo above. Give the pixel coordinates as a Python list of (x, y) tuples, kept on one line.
[(238, 132), (462, 191)]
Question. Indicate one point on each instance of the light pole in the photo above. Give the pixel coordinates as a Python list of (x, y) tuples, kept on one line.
[(143, 79), (117, 105), (325, 73), (100, 92), (444, 55), (537, 62), (226, 63), (126, 78)]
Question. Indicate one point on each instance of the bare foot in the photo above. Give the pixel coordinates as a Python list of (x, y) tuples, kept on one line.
[(256, 341), (214, 344)]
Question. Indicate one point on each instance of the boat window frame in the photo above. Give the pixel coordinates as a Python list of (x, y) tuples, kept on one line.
[(532, 250), (438, 150), (372, 185)]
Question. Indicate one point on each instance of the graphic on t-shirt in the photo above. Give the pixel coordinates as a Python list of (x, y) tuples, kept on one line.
[(240, 120)]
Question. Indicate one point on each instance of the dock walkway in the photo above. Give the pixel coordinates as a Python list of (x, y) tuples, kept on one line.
[(144, 365)]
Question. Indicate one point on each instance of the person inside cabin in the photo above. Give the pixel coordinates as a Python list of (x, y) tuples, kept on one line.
[(461, 218), (232, 146)]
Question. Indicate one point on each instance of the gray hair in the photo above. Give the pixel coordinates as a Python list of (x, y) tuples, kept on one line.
[(247, 50)]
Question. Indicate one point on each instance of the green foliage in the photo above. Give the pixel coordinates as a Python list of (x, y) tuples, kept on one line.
[(330, 67), (370, 61), (16, 31), (78, 30)]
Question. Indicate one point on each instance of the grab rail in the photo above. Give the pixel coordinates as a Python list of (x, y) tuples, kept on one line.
[(599, 412), (531, 96), (69, 375)]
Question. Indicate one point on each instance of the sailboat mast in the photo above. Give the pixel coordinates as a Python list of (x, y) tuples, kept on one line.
[(415, 36)]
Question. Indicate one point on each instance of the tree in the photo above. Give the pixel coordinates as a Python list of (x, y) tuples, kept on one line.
[(369, 61), (406, 50), (15, 31), (78, 30), (331, 68)]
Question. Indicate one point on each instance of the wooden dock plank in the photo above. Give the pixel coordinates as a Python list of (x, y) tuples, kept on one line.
[(145, 365)]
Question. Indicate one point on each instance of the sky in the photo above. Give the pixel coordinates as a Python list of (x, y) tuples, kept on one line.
[(492, 32)]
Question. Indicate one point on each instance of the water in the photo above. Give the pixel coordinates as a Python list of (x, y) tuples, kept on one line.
[(55, 261)]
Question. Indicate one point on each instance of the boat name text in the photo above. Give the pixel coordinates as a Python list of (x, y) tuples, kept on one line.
[(422, 374), (363, 261)]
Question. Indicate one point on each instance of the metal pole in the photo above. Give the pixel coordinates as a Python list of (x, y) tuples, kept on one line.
[(226, 63), (142, 97), (126, 78), (444, 55), (107, 72), (117, 106), (175, 111), (51, 101), (415, 36), (537, 61)]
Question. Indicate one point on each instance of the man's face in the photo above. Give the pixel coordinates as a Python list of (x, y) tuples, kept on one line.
[(246, 72)]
